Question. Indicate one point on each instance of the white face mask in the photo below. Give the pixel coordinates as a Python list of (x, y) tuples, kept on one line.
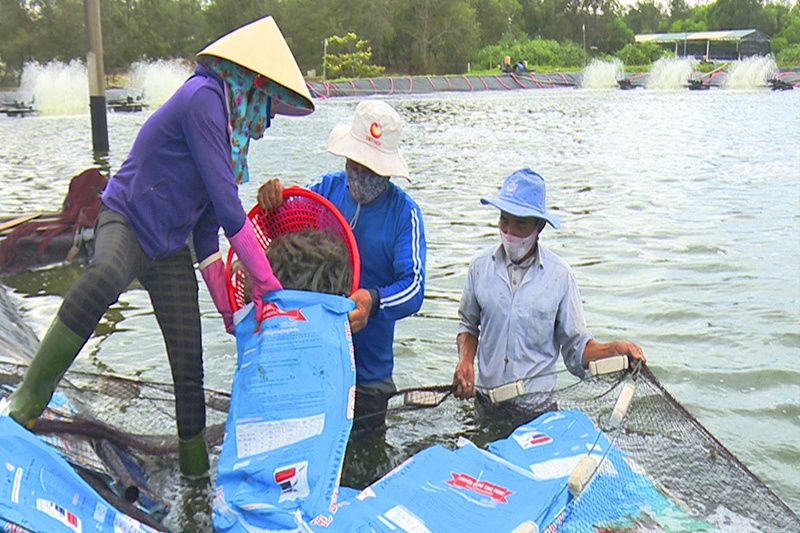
[(517, 247)]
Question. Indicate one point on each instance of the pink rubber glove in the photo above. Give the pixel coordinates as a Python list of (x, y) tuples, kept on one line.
[(252, 256), (213, 272)]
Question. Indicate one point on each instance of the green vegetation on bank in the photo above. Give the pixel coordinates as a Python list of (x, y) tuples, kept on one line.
[(368, 37)]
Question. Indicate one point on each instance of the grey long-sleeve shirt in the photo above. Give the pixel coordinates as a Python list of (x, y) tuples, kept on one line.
[(521, 333)]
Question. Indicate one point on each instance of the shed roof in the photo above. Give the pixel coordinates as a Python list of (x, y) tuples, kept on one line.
[(719, 35)]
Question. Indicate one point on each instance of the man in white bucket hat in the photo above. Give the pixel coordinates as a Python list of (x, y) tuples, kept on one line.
[(388, 228), (521, 308), (178, 182)]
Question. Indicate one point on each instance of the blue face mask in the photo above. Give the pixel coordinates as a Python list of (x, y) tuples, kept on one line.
[(365, 186)]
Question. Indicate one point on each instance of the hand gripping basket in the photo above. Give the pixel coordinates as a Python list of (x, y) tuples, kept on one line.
[(302, 209)]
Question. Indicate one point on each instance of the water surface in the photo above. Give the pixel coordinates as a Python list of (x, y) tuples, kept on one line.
[(680, 215)]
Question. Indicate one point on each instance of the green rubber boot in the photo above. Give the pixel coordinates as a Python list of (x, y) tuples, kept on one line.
[(193, 456), (56, 352)]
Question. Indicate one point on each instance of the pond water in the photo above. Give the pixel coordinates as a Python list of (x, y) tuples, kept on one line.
[(680, 214)]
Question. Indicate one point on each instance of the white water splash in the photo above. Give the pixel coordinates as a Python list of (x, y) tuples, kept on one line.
[(63, 89), (670, 73), (158, 80), (602, 74), (750, 73), (57, 88)]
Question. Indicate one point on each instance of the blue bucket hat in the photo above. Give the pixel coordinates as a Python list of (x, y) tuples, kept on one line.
[(523, 195)]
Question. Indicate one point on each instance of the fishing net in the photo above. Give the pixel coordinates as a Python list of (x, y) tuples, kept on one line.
[(33, 240), (680, 457), (310, 243), (430, 84), (784, 79), (669, 472)]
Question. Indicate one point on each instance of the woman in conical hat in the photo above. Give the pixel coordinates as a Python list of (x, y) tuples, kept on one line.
[(262, 80), (179, 181)]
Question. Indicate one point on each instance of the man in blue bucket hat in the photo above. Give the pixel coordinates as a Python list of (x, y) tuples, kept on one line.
[(521, 308)]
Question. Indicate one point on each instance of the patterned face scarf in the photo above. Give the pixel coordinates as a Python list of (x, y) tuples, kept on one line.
[(250, 98), (365, 186)]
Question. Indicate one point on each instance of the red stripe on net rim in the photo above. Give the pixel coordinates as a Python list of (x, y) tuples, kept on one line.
[(302, 209)]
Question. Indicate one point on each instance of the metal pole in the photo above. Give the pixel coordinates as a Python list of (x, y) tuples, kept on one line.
[(324, 58), (583, 29), (94, 64)]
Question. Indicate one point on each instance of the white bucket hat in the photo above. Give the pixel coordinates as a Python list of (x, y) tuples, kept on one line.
[(372, 140), (261, 48)]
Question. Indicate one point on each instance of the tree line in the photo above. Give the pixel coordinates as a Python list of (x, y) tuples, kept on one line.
[(401, 36)]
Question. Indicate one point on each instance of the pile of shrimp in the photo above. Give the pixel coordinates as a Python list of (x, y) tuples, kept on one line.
[(311, 260)]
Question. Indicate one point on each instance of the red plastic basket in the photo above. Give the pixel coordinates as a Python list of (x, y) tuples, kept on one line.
[(302, 209)]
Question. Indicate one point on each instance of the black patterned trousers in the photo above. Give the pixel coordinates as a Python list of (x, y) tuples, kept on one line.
[(172, 285)]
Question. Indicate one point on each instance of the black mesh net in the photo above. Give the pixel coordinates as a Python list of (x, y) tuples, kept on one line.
[(680, 456), (429, 84)]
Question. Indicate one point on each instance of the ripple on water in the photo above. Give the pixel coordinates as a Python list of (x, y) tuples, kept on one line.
[(679, 211)]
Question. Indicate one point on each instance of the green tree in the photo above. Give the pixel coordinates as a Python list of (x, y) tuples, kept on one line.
[(350, 58), (695, 20), (597, 22), (17, 38), (61, 32), (186, 28), (435, 36), (641, 53), (305, 24), (371, 20), (120, 34), (496, 18), (135, 30), (678, 9), (646, 16), (541, 53), (407, 36), (223, 16), (737, 14), (539, 18), (789, 33), (609, 33), (789, 56)]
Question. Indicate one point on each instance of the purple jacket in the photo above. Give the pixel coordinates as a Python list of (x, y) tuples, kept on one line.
[(177, 179)]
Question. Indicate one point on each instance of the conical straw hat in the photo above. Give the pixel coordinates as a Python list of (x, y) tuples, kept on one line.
[(260, 47)]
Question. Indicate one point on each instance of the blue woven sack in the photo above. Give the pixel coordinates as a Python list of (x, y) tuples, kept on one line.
[(290, 414)]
